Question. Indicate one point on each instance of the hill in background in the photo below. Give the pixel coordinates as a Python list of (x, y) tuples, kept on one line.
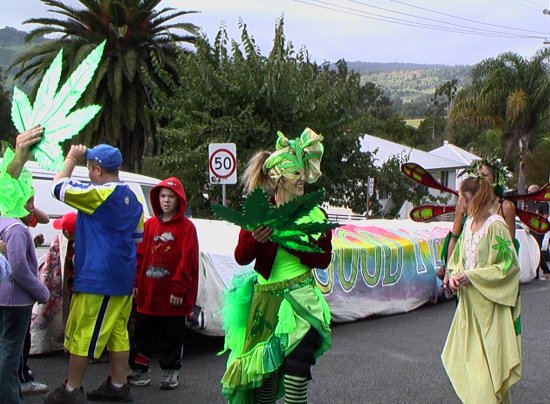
[(12, 43), (408, 85)]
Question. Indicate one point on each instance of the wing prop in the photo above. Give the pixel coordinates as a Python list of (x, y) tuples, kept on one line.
[(535, 222), (425, 213), (53, 109), (423, 177), (542, 195)]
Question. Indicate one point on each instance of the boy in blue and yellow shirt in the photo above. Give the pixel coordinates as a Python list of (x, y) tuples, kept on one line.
[(110, 223)]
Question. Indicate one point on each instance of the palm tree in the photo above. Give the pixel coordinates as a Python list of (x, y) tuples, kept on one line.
[(140, 41), (509, 93)]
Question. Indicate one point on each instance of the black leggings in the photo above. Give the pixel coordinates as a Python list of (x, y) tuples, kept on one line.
[(299, 362)]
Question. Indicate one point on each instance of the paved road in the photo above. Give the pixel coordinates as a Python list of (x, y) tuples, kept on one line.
[(391, 359)]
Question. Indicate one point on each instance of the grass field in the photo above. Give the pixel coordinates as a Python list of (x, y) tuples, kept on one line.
[(415, 123)]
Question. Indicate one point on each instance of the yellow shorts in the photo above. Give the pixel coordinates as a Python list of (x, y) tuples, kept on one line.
[(97, 322)]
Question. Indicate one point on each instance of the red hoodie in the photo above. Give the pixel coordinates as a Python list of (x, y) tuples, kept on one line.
[(168, 259)]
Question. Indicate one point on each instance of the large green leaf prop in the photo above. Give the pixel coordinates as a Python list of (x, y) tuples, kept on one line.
[(52, 109), (292, 225)]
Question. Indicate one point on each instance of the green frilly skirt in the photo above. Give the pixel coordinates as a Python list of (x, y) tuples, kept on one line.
[(265, 323)]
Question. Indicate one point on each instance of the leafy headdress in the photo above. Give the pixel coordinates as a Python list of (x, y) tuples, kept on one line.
[(501, 174), (290, 156), (53, 111)]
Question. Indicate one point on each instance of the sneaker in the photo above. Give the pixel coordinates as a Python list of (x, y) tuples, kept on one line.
[(139, 377), (62, 396), (545, 277), (169, 380), (108, 392), (34, 387)]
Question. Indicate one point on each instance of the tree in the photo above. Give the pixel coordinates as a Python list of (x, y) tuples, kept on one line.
[(7, 132), (509, 93), (140, 40), (237, 95)]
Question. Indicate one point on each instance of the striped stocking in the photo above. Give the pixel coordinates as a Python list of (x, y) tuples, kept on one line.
[(295, 389), (267, 393)]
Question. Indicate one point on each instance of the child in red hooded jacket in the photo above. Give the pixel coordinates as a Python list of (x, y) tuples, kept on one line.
[(166, 287)]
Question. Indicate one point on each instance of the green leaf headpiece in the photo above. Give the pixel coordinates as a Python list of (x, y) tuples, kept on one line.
[(14, 193), (290, 156)]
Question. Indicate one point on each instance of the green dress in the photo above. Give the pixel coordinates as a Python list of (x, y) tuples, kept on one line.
[(265, 320), (482, 354)]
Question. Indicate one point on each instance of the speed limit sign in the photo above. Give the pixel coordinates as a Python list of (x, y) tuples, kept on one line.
[(222, 163)]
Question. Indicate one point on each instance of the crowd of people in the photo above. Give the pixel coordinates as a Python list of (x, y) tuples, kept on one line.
[(94, 271), (108, 264)]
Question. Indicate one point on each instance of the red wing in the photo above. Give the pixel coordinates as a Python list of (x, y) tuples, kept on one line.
[(543, 194), (533, 220), (426, 213), (420, 175)]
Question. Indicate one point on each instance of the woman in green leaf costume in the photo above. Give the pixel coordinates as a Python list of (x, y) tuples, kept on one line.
[(276, 320), (482, 354)]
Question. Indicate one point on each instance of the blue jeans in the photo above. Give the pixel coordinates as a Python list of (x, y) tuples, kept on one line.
[(14, 321)]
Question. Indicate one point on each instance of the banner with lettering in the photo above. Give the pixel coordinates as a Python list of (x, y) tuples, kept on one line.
[(381, 270), (379, 267)]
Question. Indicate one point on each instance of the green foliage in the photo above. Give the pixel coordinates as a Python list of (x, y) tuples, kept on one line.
[(399, 188), (411, 87), (7, 132), (140, 40), (510, 94), (287, 221), (234, 94)]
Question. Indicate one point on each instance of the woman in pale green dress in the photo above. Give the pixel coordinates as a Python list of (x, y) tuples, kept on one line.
[(482, 354)]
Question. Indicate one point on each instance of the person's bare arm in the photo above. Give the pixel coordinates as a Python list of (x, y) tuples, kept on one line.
[(76, 154), (23, 143), (509, 212)]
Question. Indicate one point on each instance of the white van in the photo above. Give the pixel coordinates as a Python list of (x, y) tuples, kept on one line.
[(43, 199)]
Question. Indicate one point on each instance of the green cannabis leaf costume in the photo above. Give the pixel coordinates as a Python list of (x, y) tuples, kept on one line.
[(278, 314), (482, 354)]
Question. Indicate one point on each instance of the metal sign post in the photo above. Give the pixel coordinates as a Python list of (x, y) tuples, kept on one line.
[(370, 192), (222, 165)]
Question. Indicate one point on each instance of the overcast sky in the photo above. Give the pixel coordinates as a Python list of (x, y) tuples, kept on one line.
[(462, 32)]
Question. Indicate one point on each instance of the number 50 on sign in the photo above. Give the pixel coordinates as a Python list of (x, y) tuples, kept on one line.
[(222, 163)]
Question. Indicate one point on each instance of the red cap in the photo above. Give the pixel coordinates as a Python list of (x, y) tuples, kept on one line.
[(67, 222)]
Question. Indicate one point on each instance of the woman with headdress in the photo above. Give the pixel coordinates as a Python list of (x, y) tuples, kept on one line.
[(277, 321), (496, 174), (482, 354)]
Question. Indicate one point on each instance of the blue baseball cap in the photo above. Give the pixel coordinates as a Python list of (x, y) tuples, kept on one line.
[(107, 156)]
